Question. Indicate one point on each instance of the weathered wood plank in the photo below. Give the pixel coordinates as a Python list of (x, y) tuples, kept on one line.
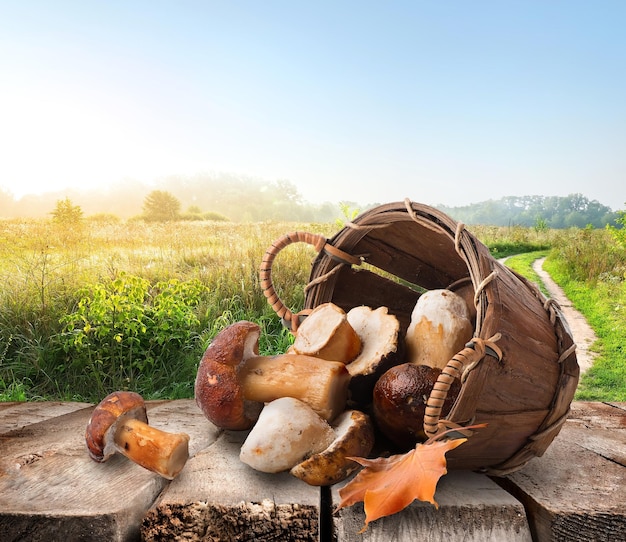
[(16, 415), (471, 508), (576, 490), (217, 497), (51, 490)]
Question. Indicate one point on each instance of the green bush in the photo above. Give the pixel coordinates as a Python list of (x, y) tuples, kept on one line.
[(124, 327)]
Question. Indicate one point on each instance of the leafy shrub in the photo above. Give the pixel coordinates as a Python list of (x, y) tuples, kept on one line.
[(212, 215), (123, 327), (619, 233)]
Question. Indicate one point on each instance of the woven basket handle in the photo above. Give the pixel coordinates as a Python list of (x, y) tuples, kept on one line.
[(457, 367), (320, 243)]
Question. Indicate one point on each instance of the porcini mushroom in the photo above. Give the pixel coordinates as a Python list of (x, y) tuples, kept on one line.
[(233, 380), (440, 327), (380, 349), (354, 437), (286, 432), (326, 333), (119, 423), (400, 397)]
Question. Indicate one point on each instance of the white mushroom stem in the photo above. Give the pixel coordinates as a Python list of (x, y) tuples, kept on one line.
[(156, 450), (321, 384), (286, 432)]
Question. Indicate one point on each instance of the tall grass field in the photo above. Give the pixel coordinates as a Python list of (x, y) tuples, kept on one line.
[(101, 305)]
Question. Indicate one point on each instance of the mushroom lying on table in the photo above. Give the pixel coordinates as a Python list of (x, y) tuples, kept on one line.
[(289, 435), (354, 437), (286, 432), (120, 424), (233, 381)]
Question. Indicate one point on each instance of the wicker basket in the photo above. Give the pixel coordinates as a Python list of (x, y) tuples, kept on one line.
[(519, 373)]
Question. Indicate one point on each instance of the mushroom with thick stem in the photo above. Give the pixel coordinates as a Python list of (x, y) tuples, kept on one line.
[(366, 339), (441, 325), (233, 381), (119, 423), (289, 435), (286, 432)]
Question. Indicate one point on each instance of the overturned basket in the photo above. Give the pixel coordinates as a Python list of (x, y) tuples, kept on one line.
[(519, 372)]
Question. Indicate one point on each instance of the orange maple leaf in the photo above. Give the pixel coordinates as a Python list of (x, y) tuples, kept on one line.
[(389, 484)]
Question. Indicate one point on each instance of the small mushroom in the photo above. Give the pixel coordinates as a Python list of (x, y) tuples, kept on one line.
[(326, 333), (119, 424), (400, 397), (286, 432), (233, 381), (354, 437)]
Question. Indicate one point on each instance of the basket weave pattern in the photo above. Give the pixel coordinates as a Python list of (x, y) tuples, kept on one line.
[(521, 373)]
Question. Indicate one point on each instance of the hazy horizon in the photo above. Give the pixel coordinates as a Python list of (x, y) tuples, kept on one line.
[(445, 103)]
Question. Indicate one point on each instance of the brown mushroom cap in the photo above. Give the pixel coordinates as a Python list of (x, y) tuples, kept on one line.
[(113, 409), (233, 382), (354, 437), (217, 389), (400, 397)]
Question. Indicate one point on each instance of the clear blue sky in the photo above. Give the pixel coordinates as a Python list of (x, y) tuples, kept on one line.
[(448, 102)]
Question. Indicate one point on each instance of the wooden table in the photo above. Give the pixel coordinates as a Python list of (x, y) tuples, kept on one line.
[(50, 489)]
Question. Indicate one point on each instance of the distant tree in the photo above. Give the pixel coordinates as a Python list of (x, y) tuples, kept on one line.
[(555, 212), (288, 191), (161, 206), (66, 213)]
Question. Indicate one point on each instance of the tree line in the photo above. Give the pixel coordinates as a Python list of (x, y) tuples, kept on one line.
[(245, 199), (556, 212)]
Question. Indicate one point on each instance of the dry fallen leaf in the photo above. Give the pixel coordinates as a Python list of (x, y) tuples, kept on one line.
[(389, 484)]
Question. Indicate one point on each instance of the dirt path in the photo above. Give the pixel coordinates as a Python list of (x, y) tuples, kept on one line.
[(582, 333)]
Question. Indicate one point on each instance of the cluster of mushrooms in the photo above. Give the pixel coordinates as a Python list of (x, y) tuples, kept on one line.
[(343, 383)]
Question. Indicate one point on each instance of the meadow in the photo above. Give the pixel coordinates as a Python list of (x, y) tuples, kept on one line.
[(100, 305)]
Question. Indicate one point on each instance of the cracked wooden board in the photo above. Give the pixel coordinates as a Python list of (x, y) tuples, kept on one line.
[(576, 490), (217, 497), (18, 414), (50, 489)]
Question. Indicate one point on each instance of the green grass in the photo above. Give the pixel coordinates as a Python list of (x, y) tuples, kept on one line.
[(67, 333), (523, 264), (603, 303)]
